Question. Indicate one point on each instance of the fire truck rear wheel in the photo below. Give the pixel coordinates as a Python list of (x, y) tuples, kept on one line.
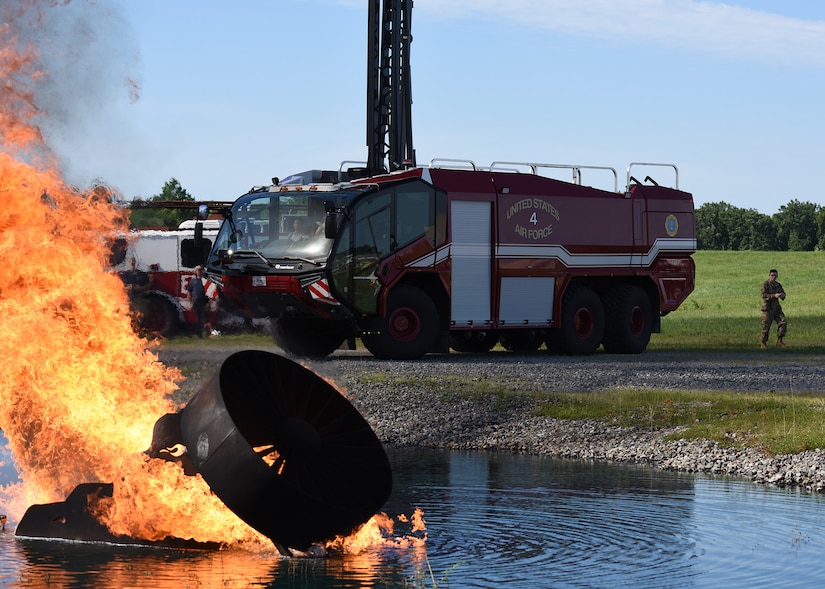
[(159, 317), (307, 337), (582, 323), (473, 341), (629, 320), (410, 329)]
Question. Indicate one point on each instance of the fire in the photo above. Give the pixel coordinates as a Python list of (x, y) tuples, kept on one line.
[(79, 390), (379, 532)]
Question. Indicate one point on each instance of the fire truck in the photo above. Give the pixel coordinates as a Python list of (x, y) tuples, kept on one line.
[(416, 259), (169, 259), (429, 258)]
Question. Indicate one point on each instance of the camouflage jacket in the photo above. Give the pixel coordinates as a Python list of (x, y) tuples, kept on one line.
[(769, 302)]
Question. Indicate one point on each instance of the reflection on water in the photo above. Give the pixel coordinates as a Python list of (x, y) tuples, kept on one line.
[(498, 520)]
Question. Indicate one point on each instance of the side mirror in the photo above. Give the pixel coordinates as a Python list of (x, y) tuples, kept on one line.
[(203, 212), (331, 224)]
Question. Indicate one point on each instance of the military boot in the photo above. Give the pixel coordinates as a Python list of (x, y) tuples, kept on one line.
[(780, 343)]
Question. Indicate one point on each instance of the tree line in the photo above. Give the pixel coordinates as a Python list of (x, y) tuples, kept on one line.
[(145, 216), (797, 226)]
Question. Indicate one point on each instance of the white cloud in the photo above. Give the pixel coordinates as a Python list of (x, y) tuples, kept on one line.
[(710, 27)]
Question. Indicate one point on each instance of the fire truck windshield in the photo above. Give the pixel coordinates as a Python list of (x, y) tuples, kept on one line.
[(277, 225)]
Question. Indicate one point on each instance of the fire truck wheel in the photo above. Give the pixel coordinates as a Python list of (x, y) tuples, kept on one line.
[(307, 337), (159, 317), (522, 340), (410, 329), (629, 320), (473, 341), (582, 323)]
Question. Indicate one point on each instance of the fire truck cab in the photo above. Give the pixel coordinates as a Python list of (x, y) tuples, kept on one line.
[(429, 258)]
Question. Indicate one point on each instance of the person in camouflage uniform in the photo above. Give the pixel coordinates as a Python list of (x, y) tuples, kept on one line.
[(772, 293)]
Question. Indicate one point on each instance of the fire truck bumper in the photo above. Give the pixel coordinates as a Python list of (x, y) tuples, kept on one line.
[(275, 296)]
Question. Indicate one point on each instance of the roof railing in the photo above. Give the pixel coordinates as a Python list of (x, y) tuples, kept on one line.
[(576, 170), (648, 178)]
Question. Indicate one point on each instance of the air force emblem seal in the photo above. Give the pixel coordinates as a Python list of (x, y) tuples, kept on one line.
[(671, 225)]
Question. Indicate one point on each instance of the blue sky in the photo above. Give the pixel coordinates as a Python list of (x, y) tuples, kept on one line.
[(231, 94)]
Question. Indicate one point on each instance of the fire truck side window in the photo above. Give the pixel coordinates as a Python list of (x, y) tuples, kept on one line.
[(190, 256), (413, 212), (420, 210)]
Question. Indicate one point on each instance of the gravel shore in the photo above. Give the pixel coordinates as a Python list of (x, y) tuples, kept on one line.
[(408, 415)]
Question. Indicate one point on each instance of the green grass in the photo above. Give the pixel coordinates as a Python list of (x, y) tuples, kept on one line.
[(254, 340), (777, 423), (723, 312)]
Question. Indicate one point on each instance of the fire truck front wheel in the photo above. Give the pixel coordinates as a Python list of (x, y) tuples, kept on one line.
[(308, 337), (582, 323), (629, 320), (410, 328)]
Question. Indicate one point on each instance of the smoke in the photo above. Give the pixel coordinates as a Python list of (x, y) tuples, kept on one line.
[(78, 60)]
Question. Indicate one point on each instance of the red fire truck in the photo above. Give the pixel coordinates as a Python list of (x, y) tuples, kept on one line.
[(168, 258), (429, 258)]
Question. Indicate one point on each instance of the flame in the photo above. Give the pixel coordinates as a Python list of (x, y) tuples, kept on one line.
[(80, 391), (379, 532)]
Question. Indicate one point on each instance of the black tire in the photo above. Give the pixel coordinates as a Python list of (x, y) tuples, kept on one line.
[(522, 340), (308, 337), (628, 320), (158, 316), (582, 323), (410, 328), (473, 341)]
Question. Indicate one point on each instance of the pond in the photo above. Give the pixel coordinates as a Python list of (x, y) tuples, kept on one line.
[(498, 520)]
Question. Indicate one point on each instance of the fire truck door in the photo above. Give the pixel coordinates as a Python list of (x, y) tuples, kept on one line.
[(471, 254)]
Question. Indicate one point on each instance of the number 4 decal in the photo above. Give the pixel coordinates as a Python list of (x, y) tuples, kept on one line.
[(533, 219)]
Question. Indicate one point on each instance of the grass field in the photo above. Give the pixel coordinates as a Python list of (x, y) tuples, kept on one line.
[(723, 312)]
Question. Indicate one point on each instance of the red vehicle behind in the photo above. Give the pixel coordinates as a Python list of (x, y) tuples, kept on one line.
[(429, 258), (168, 258)]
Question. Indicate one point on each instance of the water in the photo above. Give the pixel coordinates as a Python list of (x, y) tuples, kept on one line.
[(498, 520)]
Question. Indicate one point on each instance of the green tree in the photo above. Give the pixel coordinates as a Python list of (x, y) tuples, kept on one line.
[(796, 226), (151, 214), (754, 230), (711, 227), (820, 228), (721, 226)]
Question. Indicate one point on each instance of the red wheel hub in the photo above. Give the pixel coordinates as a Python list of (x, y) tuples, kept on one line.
[(637, 321), (583, 323), (404, 324)]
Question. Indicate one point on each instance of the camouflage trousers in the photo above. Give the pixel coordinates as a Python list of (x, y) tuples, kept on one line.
[(768, 317)]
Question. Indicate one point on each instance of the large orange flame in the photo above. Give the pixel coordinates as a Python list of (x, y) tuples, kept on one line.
[(80, 392)]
